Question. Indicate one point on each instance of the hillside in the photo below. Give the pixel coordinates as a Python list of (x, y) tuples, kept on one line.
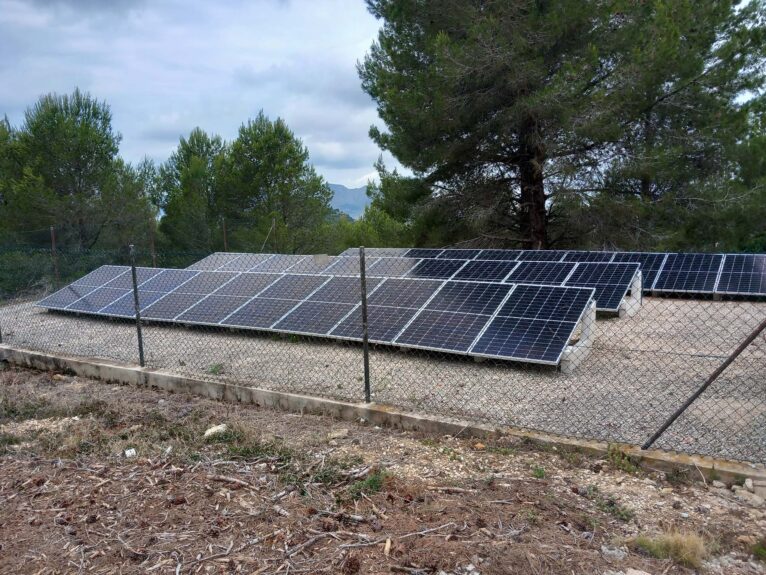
[(351, 201)]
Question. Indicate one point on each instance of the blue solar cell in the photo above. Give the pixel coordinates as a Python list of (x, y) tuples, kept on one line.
[(469, 297), (314, 317), (693, 262), (552, 273), (170, 306), (102, 275), (591, 273), (313, 264), (443, 330), (459, 254), (403, 293), (525, 339), (348, 266), (247, 284), (686, 281), (212, 309), (435, 268), (383, 323), (423, 253), (244, 262), (125, 307), (507, 255), (743, 274), (491, 271), (277, 263), (125, 281), (97, 299), (588, 256), (343, 290), (547, 302), (168, 280), (542, 255), (206, 282), (295, 287), (391, 267), (214, 261), (65, 296), (259, 313), (650, 264)]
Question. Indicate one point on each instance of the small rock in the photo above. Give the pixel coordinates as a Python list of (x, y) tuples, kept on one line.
[(635, 572), (719, 484), (215, 430), (479, 446), (666, 490), (130, 452), (752, 498), (684, 516), (704, 509), (338, 434), (749, 485), (613, 553), (747, 540), (59, 377)]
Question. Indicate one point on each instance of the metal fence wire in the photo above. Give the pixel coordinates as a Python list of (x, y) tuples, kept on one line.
[(695, 365)]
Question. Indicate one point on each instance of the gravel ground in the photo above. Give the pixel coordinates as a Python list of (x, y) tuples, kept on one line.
[(638, 372)]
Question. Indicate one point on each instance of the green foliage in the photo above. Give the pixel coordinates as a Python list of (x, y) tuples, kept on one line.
[(619, 460), (538, 472), (587, 124), (369, 486)]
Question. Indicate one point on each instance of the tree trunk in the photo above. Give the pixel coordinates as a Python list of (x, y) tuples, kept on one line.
[(533, 221)]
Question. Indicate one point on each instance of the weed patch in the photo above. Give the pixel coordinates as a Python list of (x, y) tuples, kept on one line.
[(687, 549)]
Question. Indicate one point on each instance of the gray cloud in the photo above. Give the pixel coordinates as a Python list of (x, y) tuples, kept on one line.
[(166, 67)]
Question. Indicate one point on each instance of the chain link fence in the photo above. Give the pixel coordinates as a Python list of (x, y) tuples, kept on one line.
[(626, 373)]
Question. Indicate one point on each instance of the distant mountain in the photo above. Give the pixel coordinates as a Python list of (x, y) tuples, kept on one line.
[(349, 200)]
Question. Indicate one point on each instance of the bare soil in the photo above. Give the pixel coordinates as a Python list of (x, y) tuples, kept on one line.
[(287, 493)]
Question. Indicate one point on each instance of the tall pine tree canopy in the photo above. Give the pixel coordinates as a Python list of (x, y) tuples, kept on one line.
[(535, 120)]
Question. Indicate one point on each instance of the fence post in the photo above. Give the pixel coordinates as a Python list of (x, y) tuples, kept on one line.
[(713, 376), (54, 256), (136, 305), (365, 342)]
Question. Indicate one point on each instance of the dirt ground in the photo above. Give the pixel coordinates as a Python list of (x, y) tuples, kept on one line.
[(288, 493)]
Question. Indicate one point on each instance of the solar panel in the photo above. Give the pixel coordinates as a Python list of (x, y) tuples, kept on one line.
[(102, 275), (588, 257), (695, 273), (169, 306), (423, 253), (295, 287), (469, 297), (314, 317), (277, 263), (485, 270), (247, 284), (553, 273), (206, 282), (125, 281), (542, 255), (244, 262), (459, 254), (499, 255), (610, 280), (167, 280), (66, 296), (444, 315), (404, 293), (391, 267), (650, 263), (348, 266), (312, 264), (259, 313), (383, 323), (97, 299), (435, 268), (212, 309), (214, 261), (443, 331), (743, 274), (343, 290)]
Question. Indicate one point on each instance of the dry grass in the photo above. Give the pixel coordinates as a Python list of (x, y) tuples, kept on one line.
[(685, 548)]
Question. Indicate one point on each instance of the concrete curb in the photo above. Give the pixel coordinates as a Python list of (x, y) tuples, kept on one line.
[(383, 415)]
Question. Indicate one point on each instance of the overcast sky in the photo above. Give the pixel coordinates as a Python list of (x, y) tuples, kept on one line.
[(168, 66)]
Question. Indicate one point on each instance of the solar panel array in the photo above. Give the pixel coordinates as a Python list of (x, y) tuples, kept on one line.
[(692, 273), (611, 281), (490, 319)]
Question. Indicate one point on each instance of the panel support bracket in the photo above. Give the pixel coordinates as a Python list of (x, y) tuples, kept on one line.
[(576, 353)]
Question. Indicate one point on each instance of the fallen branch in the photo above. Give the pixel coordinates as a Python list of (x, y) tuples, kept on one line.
[(227, 479)]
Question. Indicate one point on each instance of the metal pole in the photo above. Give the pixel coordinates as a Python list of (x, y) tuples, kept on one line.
[(713, 376), (137, 306), (365, 342), (54, 256)]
